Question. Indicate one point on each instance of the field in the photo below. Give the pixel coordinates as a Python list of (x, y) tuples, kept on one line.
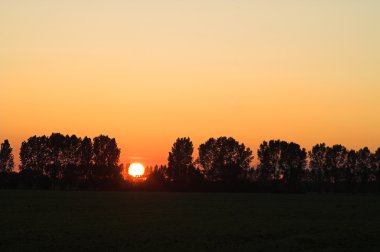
[(125, 221)]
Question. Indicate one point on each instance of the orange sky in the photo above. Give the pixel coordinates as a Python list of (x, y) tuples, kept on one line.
[(147, 72)]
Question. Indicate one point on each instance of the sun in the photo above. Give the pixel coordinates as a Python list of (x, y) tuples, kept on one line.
[(136, 169)]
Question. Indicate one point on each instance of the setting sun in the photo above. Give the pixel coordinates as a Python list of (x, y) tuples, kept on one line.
[(136, 169)]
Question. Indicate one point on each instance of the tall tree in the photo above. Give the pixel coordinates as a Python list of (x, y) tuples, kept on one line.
[(280, 160), (293, 164), (34, 155), (318, 164), (336, 162), (106, 152), (365, 163), (86, 151), (376, 167), (86, 157), (6, 157), (106, 158), (269, 155), (71, 171), (351, 170), (225, 160), (180, 160), (56, 152)]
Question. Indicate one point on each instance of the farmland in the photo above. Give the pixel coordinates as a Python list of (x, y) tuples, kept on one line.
[(143, 221)]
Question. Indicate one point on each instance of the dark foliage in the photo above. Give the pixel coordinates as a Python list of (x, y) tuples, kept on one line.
[(69, 162), (225, 161), (156, 178), (281, 163), (223, 164), (181, 171), (6, 157)]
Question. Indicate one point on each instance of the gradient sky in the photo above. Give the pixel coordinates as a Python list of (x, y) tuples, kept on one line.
[(148, 71)]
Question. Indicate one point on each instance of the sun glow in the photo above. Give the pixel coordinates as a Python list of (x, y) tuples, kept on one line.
[(136, 169)]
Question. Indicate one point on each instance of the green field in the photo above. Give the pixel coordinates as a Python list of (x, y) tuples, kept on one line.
[(125, 221)]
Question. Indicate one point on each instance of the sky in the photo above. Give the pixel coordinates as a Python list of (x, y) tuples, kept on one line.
[(147, 72)]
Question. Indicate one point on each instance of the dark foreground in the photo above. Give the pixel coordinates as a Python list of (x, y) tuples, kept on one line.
[(121, 221)]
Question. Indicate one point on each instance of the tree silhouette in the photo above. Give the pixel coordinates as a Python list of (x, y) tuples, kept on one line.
[(106, 152), (156, 178), (71, 171), (34, 163), (280, 160), (70, 162), (293, 165), (318, 164), (364, 162), (6, 157), (181, 169), (106, 158), (376, 167), (351, 170), (269, 156), (86, 157), (225, 160), (34, 155), (336, 161), (56, 152)]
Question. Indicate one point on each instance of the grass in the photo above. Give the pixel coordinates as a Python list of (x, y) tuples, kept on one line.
[(125, 221)]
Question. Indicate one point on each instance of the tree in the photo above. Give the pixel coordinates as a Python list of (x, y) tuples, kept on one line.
[(156, 178), (106, 152), (364, 162), (106, 159), (180, 160), (281, 161), (225, 160), (336, 161), (86, 157), (6, 157), (351, 170), (86, 152), (71, 172), (318, 164), (269, 155), (56, 152), (34, 155), (293, 164), (70, 162), (376, 167)]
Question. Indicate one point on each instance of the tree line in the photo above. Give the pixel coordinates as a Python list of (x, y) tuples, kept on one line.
[(223, 164), (63, 162)]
